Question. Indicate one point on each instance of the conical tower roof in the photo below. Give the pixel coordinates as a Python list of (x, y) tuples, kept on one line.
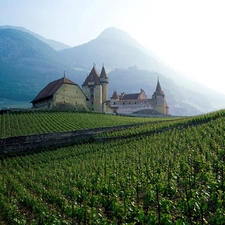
[(115, 95), (92, 77), (158, 90), (103, 73)]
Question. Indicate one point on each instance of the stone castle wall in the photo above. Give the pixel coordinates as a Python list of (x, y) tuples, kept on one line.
[(98, 98), (69, 97)]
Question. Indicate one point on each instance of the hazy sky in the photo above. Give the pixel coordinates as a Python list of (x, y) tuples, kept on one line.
[(188, 34)]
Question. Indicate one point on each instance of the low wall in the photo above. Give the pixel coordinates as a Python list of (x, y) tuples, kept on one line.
[(12, 145), (33, 142)]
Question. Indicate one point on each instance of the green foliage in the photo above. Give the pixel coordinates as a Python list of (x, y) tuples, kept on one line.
[(170, 177), (38, 122)]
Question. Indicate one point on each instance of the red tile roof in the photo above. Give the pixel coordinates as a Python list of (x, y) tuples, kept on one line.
[(51, 88)]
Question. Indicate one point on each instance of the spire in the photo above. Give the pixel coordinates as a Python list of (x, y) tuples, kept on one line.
[(93, 77), (103, 73), (158, 90)]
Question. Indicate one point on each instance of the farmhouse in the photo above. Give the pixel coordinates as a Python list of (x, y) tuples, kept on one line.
[(61, 94), (65, 94)]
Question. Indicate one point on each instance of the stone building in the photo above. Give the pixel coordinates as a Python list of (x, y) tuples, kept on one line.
[(138, 103), (159, 101), (65, 94), (61, 94), (95, 88)]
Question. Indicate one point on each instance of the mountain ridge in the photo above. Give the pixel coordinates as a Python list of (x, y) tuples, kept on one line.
[(52, 43), (27, 63), (36, 66)]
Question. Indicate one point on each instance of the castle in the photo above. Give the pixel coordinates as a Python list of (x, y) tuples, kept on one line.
[(65, 94), (139, 103), (95, 87)]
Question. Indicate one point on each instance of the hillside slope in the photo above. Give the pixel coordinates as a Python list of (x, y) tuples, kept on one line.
[(181, 101), (27, 65), (165, 173), (52, 43)]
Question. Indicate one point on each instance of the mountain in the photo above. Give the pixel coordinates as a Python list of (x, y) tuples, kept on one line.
[(52, 43), (27, 65), (117, 49)]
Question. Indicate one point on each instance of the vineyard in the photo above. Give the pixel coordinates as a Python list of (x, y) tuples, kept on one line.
[(46, 122), (173, 176)]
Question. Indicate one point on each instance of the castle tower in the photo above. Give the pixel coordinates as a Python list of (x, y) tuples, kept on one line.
[(104, 80), (159, 101), (92, 88)]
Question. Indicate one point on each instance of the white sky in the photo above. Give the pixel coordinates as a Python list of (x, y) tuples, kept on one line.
[(188, 34)]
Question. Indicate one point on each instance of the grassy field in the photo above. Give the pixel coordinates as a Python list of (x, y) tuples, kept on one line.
[(175, 176)]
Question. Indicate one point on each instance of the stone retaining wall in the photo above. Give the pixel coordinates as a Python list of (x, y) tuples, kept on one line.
[(11, 145)]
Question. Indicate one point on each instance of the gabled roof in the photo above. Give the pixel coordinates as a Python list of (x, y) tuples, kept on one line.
[(51, 88), (158, 90), (130, 96), (92, 77), (103, 73)]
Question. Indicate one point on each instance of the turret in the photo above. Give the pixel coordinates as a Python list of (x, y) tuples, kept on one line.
[(114, 102), (93, 90), (159, 101), (104, 80), (158, 90)]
